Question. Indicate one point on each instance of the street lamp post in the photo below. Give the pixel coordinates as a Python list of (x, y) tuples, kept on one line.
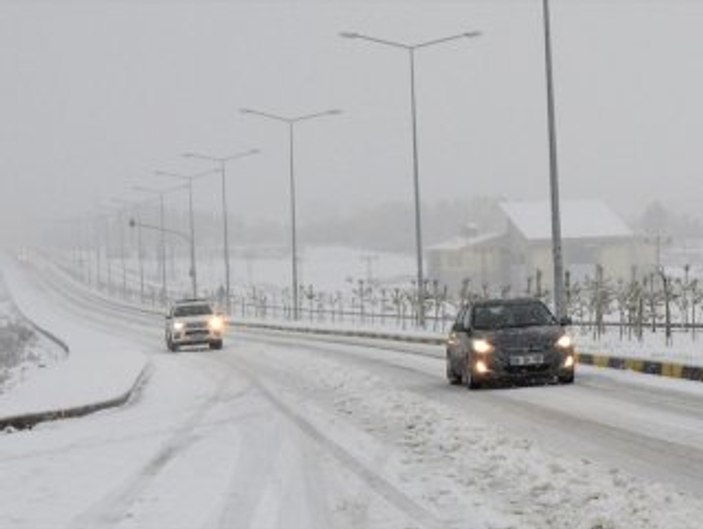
[(122, 205), (139, 224), (291, 128), (108, 264), (411, 48), (123, 260), (162, 250), (99, 222), (96, 234), (557, 256), (87, 262), (140, 258), (140, 247), (189, 179), (222, 164)]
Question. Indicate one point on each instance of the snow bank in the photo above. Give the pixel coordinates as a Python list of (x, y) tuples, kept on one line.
[(100, 370)]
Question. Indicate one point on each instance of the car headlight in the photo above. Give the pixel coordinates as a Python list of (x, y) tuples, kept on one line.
[(565, 341), (481, 346), (178, 325), (216, 323), (453, 339)]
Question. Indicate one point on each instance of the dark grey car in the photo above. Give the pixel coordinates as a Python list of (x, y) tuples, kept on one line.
[(509, 339)]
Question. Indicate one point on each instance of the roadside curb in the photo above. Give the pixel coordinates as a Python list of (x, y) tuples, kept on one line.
[(379, 335), (650, 367), (29, 420)]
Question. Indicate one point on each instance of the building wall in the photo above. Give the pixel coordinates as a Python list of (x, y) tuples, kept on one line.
[(483, 264), (617, 260), (511, 261), (446, 266)]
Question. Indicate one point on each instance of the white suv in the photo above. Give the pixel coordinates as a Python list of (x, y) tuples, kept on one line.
[(193, 322)]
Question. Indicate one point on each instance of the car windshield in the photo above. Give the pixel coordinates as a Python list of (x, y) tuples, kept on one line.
[(506, 315), (192, 310)]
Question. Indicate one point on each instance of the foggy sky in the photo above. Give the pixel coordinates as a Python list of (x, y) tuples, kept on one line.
[(95, 96)]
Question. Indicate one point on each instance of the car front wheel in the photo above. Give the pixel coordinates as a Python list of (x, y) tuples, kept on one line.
[(567, 378), (452, 377), (169, 343), (468, 378)]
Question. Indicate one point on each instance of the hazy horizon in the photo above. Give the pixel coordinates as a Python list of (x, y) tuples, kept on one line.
[(96, 96)]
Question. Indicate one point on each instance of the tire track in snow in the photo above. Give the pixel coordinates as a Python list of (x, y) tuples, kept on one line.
[(376, 482), (266, 468), (113, 508), (636, 450)]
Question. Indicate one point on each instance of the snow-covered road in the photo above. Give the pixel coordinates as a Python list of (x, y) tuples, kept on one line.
[(281, 431)]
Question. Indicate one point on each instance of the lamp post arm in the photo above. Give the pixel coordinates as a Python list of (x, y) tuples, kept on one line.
[(264, 114), (250, 152), (465, 35), (134, 223), (295, 119), (333, 112), (376, 40), (187, 177), (221, 159)]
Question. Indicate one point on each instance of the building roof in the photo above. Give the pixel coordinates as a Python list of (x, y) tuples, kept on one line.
[(580, 219), (459, 242)]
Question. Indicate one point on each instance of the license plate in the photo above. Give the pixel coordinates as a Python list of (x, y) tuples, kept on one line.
[(526, 360)]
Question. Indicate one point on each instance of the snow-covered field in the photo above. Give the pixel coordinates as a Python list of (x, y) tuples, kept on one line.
[(281, 431), (328, 269)]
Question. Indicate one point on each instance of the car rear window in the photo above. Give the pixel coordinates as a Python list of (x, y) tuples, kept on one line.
[(192, 310)]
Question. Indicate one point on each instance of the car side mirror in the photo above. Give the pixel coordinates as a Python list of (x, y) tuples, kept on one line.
[(565, 321)]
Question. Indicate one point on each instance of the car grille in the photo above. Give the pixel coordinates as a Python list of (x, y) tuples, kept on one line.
[(523, 349), (193, 325), (531, 369)]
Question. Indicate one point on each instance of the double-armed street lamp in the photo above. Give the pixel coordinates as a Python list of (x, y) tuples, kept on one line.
[(102, 220), (120, 205), (189, 179), (411, 49), (134, 205), (94, 221), (162, 231), (137, 223), (291, 122), (222, 164)]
